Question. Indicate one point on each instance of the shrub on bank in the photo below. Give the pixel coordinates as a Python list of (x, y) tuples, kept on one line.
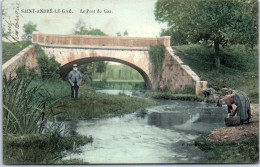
[(185, 94), (48, 66)]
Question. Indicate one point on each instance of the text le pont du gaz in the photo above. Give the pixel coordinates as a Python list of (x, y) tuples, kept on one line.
[(84, 11)]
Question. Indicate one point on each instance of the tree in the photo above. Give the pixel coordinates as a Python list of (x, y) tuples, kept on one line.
[(101, 67), (28, 30), (118, 34), (88, 71), (80, 29), (4, 34), (125, 33), (215, 23)]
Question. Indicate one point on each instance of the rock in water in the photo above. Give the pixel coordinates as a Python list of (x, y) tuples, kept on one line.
[(232, 121)]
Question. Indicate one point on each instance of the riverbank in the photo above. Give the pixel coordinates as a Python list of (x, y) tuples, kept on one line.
[(184, 94), (237, 144), (40, 148), (91, 105)]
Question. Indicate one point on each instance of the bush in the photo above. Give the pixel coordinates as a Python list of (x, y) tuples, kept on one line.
[(23, 72), (184, 94), (157, 55), (48, 66)]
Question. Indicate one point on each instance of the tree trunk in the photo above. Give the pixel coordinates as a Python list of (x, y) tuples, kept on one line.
[(217, 56)]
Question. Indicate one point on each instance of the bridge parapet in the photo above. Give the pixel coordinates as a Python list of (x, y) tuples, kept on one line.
[(86, 40)]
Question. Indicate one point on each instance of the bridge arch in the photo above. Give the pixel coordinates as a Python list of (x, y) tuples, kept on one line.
[(66, 68)]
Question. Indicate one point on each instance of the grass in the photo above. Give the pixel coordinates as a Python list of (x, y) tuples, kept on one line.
[(39, 149), (93, 105), (98, 105), (239, 69), (122, 85), (118, 72), (10, 50), (227, 152), (23, 105), (56, 88), (184, 94)]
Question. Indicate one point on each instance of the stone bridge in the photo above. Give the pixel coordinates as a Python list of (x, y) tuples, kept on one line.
[(134, 52)]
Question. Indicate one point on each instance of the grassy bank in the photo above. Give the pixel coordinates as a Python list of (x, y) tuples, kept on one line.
[(239, 67), (40, 149), (185, 94), (117, 84), (10, 50), (226, 152), (118, 72), (89, 104), (92, 105)]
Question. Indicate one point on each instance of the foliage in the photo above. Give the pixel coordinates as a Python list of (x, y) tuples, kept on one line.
[(118, 34), (120, 73), (10, 50), (39, 149), (28, 30), (84, 31), (23, 72), (177, 37), (157, 55), (101, 67), (80, 29), (22, 106), (212, 22), (88, 71), (99, 105), (226, 152), (48, 66), (125, 33), (184, 94), (56, 88), (121, 85), (243, 76)]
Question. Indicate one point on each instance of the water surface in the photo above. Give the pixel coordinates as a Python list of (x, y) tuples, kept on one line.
[(158, 134)]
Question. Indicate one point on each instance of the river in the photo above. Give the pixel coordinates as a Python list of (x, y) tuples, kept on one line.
[(157, 134)]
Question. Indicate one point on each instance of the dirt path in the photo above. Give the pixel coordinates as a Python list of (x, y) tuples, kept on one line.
[(238, 133)]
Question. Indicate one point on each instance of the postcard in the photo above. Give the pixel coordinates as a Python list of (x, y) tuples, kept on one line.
[(130, 82)]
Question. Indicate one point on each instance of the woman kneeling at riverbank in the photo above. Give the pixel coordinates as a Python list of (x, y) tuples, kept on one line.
[(238, 104)]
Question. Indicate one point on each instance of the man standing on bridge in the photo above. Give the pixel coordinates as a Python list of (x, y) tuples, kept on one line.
[(75, 78)]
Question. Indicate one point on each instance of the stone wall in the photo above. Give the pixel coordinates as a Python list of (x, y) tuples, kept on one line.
[(26, 58), (75, 40), (176, 75)]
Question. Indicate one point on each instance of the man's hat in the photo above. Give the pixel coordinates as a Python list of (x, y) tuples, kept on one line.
[(75, 65)]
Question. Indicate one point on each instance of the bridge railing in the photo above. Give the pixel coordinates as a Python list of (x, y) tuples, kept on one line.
[(52, 39)]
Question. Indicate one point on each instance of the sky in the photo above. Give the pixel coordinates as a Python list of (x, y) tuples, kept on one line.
[(135, 16)]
